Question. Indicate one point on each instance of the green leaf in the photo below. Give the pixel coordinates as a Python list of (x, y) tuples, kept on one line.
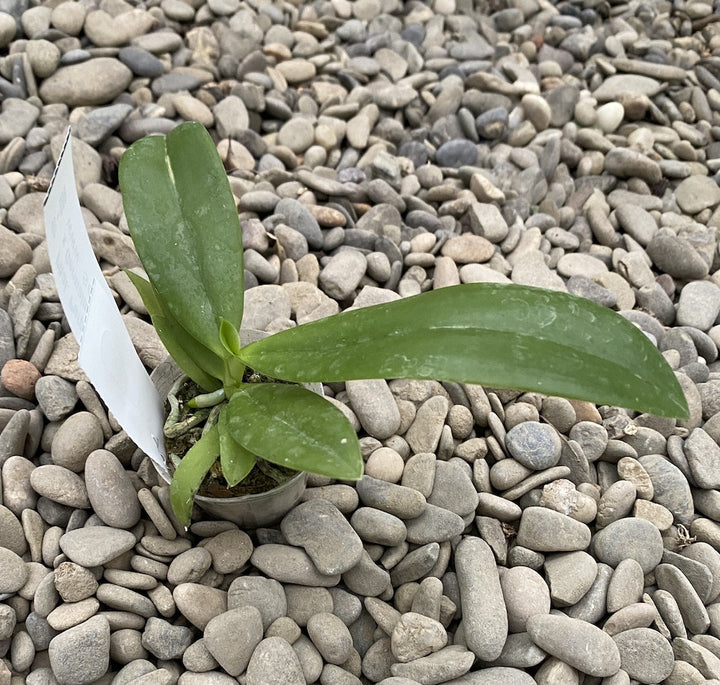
[(184, 222), (507, 336), (234, 368), (190, 473), (293, 427), (196, 360), (229, 337), (235, 460)]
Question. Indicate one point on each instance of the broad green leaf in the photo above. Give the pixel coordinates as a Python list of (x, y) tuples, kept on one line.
[(190, 473), (507, 336), (235, 460), (196, 360), (184, 222), (293, 427)]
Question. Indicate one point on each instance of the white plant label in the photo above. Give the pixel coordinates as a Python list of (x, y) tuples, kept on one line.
[(106, 352)]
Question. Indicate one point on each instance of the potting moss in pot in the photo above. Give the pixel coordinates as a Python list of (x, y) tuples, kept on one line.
[(249, 414)]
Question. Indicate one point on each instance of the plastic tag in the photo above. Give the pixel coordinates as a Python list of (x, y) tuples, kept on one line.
[(106, 352)]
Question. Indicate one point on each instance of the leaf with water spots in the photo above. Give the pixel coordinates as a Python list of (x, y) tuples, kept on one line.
[(506, 336), (184, 223), (291, 426)]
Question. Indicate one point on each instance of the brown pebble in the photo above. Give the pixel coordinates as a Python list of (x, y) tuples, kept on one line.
[(586, 411), (277, 50), (327, 217), (19, 377), (468, 249)]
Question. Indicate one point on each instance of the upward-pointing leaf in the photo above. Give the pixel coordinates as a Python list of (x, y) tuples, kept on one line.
[(191, 472), (184, 223), (500, 335)]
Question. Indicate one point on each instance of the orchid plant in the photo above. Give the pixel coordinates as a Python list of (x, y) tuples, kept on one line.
[(183, 219)]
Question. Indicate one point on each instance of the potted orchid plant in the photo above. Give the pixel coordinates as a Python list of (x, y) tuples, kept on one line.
[(247, 408)]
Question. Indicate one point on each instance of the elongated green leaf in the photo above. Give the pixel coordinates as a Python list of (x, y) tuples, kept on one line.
[(183, 220), (235, 460), (196, 360), (190, 473), (499, 335), (293, 427)]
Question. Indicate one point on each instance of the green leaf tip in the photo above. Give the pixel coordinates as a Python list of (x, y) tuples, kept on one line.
[(229, 337)]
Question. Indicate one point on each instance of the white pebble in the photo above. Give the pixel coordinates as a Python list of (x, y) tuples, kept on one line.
[(385, 464)]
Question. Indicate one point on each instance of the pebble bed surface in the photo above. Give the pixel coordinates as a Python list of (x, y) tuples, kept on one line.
[(377, 149)]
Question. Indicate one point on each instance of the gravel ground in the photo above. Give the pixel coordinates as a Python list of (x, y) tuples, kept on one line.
[(377, 149)]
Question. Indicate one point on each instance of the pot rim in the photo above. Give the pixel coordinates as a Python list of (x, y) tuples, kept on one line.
[(257, 496)]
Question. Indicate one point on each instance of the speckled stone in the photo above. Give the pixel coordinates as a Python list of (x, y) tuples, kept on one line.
[(629, 538), (245, 626), (274, 661), (578, 643), (545, 530), (96, 546), (325, 534), (645, 655), (535, 445), (73, 666)]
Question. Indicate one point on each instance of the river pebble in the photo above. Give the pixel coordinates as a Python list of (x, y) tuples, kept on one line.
[(95, 546), (72, 665), (374, 407), (79, 435), (484, 612), (324, 533), (331, 637), (697, 193), (13, 572), (110, 490), (578, 643), (60, 485), (670, 486), (290, 565), (199, 604), (245, 626), (698, 305), (526, 593), (544, 530), (274, 661), (535, 445), (691, 607), (645, 655), (264, 594)]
